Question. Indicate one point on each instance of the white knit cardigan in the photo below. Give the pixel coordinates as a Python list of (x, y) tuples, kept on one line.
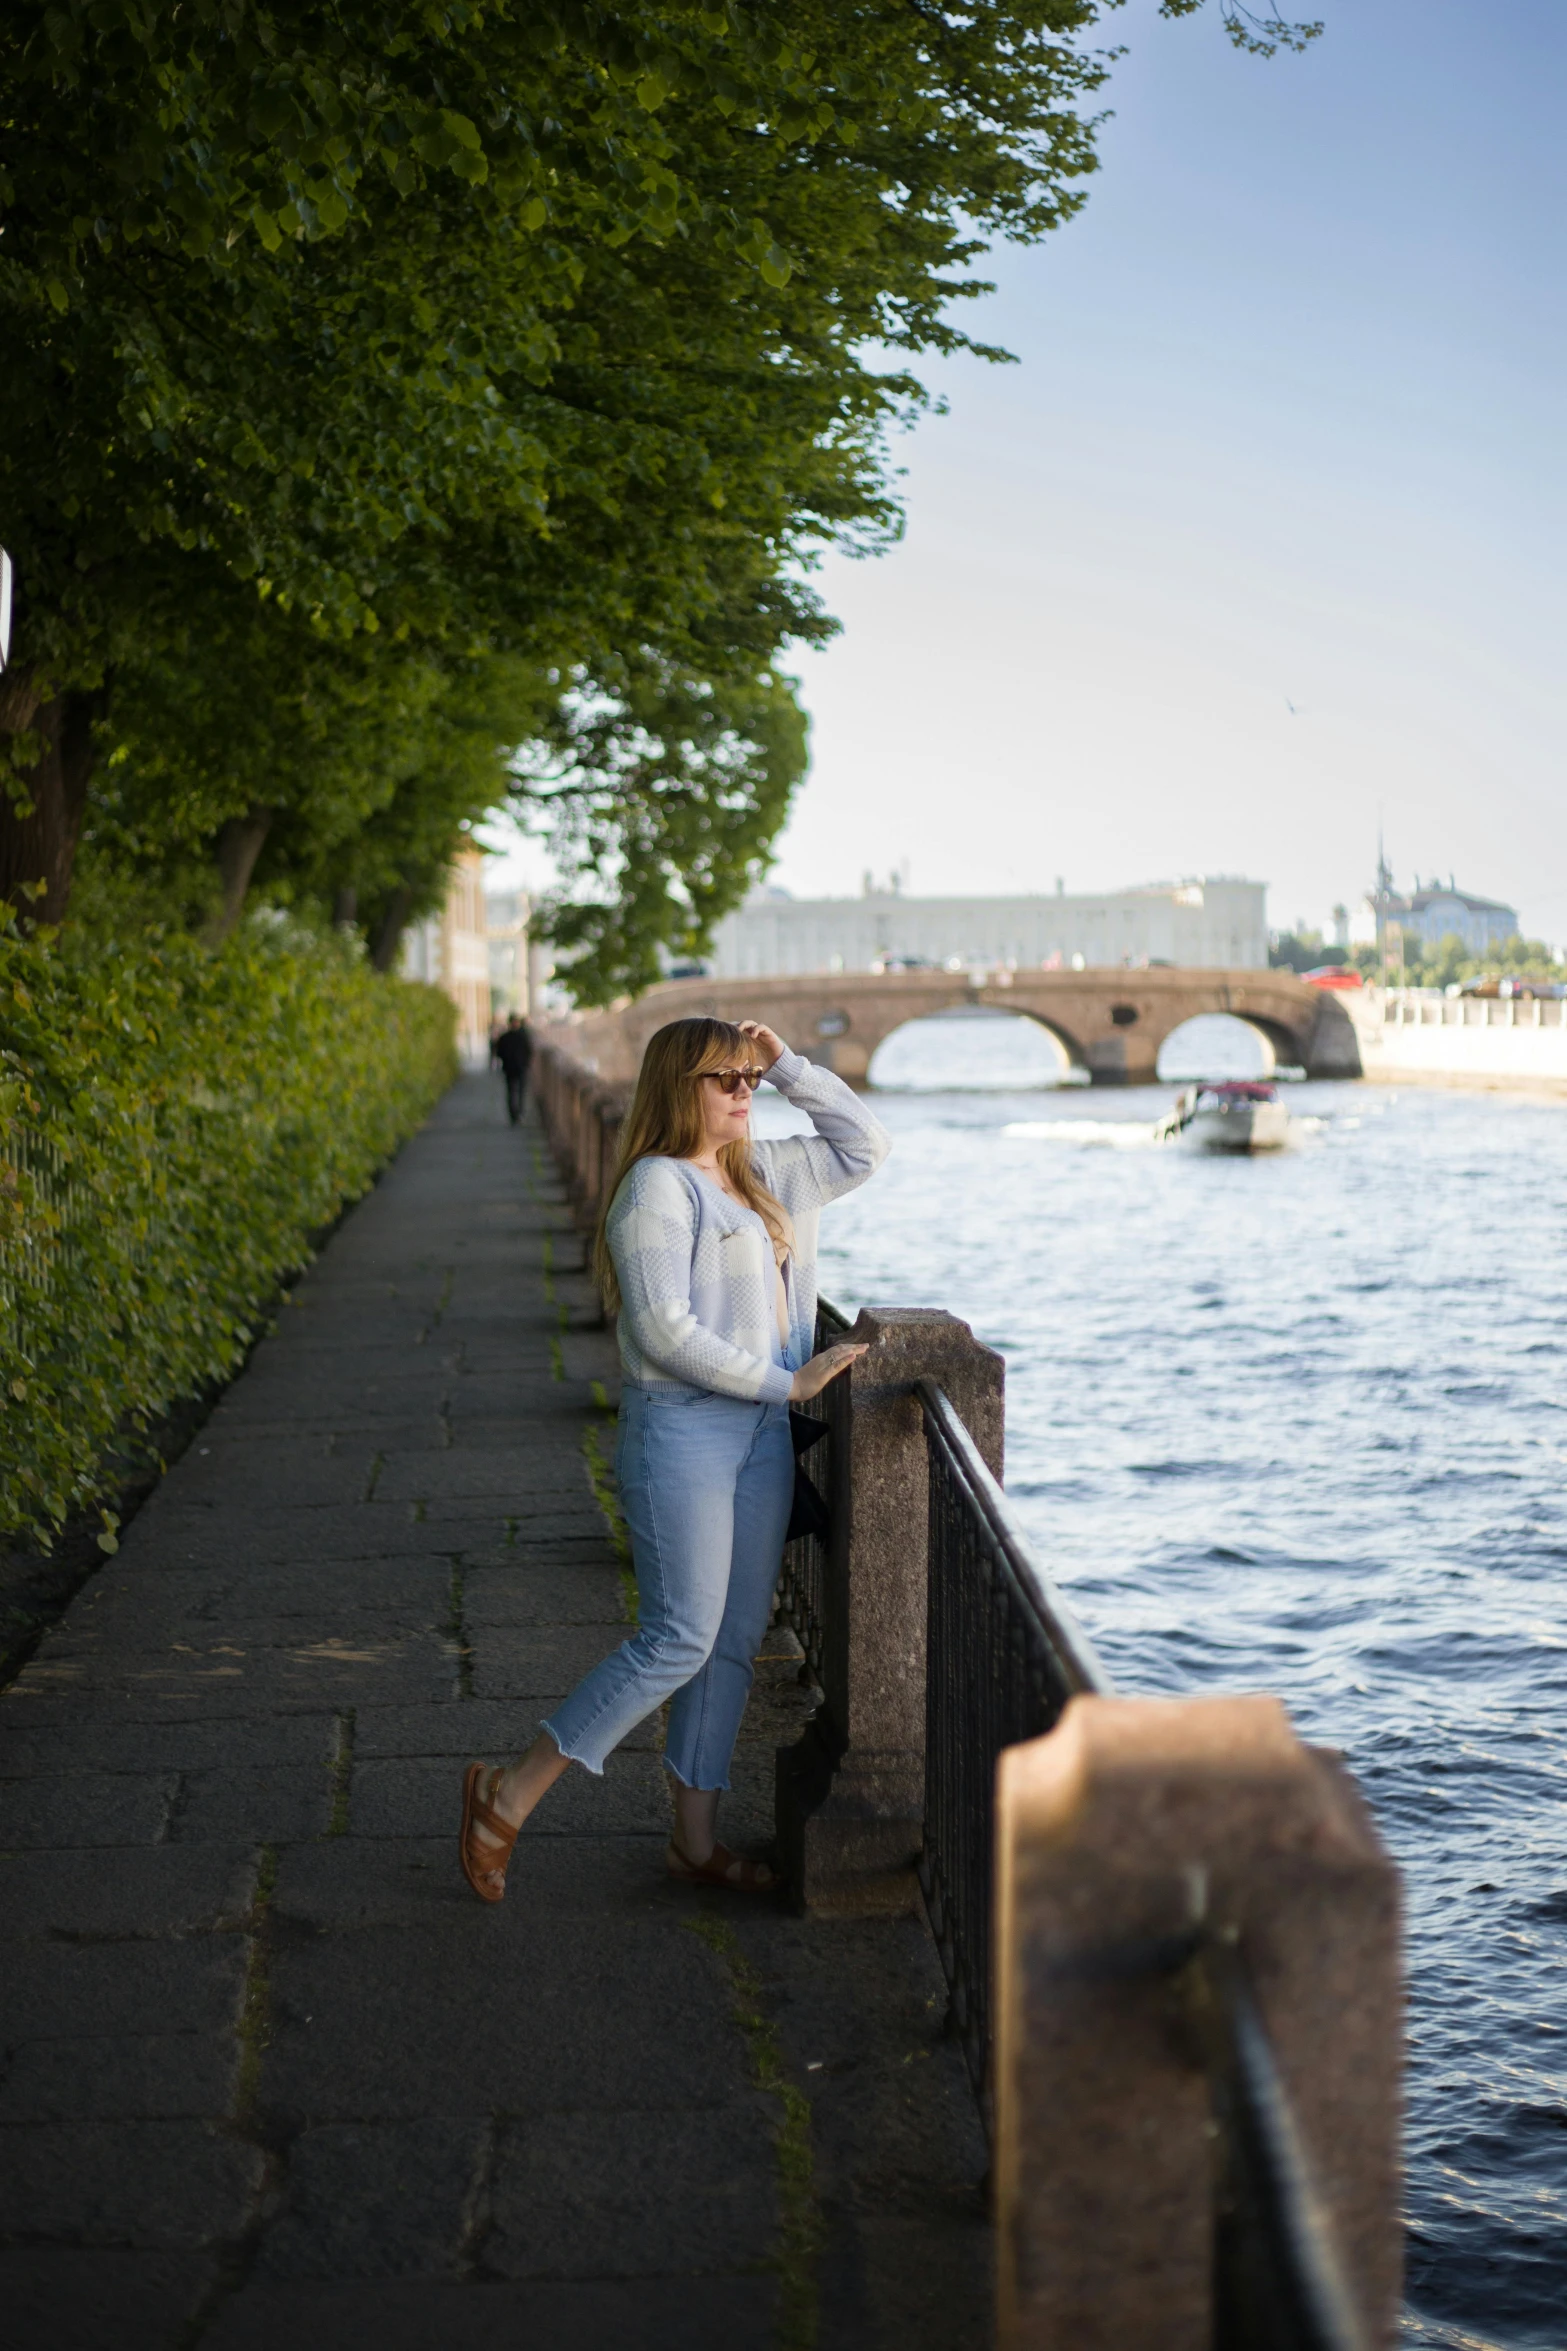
[(695, 1267)]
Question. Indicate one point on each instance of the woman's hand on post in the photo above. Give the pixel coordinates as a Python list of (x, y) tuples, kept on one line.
[(767, 1041), (812, 1377)]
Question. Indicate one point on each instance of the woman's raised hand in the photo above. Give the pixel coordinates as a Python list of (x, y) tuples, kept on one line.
[(812, 1377), (767, 1041)]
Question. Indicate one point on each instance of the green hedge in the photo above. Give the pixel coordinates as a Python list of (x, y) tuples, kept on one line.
[(174, 1127)]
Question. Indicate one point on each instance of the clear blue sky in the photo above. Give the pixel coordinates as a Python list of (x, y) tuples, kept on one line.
[(1287, 428)]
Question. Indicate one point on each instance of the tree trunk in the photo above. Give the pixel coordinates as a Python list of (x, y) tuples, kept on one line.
[(345, 907), (239, 845), (38, 850), (389, 930)]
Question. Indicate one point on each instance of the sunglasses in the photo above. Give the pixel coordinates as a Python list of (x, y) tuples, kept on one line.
[(729, 1081)]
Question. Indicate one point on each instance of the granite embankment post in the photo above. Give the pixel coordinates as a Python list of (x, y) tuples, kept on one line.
[(851, 1792), (1139, 1842), (270, 2074)]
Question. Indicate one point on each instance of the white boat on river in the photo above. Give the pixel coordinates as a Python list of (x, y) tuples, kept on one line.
[(1232, 1115)]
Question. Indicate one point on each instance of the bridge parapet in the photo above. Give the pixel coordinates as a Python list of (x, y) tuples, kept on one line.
[(1108, 1022), (1170, 1931)]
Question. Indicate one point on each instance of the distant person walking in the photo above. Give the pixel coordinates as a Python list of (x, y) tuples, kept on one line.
[(513, 1049), (706, 1254)]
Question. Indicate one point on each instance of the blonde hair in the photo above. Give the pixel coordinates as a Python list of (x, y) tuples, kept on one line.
[(665, 1121)]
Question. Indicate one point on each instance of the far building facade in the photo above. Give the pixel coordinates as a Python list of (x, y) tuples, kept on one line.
[(451, 950), (1431, 912), (506, 915), (476, 949), (1217, 921)]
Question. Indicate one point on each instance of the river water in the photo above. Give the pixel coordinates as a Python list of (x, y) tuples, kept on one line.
[(1299, 1423)]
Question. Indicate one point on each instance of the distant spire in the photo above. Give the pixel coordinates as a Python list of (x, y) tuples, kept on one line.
[(1382, 901)]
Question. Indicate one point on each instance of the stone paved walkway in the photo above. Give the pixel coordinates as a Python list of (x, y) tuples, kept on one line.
[(270, 2076)]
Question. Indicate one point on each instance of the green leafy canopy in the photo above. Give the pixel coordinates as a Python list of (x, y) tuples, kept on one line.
[(440, 345)]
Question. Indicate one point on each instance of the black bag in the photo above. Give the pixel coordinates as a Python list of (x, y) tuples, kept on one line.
[(808, 1512)]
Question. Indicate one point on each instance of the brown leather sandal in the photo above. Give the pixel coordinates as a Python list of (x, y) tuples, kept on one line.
[(748, 1876), (486, 1871)]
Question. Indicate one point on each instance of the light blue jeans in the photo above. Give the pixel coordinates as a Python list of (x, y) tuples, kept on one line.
[(706, 1484)]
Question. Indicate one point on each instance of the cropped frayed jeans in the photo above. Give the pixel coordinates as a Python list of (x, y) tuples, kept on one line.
[(706, 1484)]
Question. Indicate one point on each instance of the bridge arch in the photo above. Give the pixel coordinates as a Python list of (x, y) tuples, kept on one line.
[(1076, 1058), (1221, 1045), (1290, 1047), (974, 1048)]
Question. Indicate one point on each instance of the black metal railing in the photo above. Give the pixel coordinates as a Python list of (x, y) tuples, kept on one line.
[(1278, 2281), (1003, 1655), (802, 1588)]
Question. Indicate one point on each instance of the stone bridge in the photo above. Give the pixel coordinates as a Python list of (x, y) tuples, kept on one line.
[(1109, 1022)]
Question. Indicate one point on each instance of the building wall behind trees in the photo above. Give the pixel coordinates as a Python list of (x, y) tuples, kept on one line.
[(1214, 922), (506, 919), (451, 950)]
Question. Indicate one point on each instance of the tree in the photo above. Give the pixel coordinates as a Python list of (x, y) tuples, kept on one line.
[(532, 330), (1447, 962), (661, 791), (1301, 949), (291, 753)]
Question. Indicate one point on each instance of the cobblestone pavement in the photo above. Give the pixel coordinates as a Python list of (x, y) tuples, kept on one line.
[(271, 2075)]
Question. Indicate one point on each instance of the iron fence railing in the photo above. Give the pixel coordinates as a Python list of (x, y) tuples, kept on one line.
[(1278, 2281), (1003, 1655), (802, 1589)]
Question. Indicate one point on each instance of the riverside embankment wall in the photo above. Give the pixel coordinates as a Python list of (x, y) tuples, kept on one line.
[(1418, 1036)]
